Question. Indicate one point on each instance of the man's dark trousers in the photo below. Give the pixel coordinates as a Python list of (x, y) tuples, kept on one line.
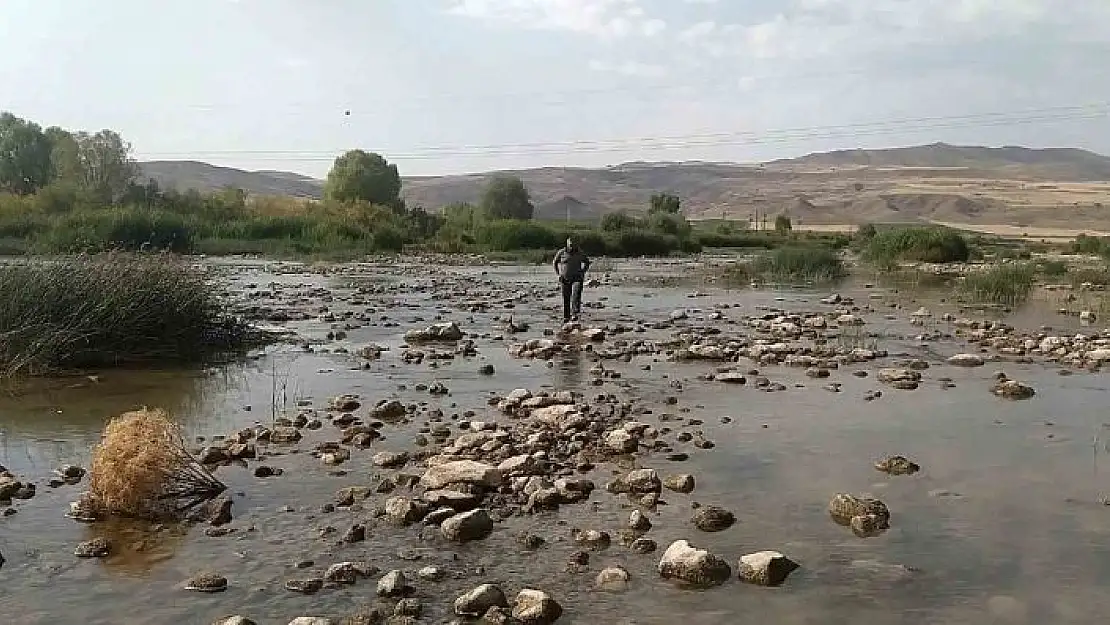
[(572, 297)]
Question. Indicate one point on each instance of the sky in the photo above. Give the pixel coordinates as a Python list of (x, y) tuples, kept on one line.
[(452, 86)]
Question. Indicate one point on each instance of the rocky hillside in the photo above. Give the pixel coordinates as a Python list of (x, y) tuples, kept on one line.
[(937, 182)]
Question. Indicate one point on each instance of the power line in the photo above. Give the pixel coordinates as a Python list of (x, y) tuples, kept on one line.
[(747, 137)]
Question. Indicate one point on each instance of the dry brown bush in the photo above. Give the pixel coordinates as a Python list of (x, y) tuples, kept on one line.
[(142, 469)]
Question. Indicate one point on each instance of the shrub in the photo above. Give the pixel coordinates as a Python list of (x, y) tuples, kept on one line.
[(615, 222), (636, 242), (506, 235), (127, 229), (142, 469), (108, 310), (922, 244)]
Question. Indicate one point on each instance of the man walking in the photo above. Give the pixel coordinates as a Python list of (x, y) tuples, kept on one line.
[(571, 265)]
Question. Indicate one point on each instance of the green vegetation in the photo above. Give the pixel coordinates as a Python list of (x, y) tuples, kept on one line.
[(790, 264), (109, 310), (919, 244), (1008, 283)]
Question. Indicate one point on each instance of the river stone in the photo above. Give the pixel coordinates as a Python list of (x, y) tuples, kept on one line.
[(612, 579), (637, 521), (390, 459), (535, 607), (461, 472), (713, 519), (312, 620), (437, 332), (966, 360), (95, 548), (342, 573), (766, 568), (467, 526), (285, 435), (693, 566), (479, 600), (638, 481), (460, 502), (206, 582), (1012, 389), (388, 410), (393, 584), (680, 483), (897, 465), (403, 511)]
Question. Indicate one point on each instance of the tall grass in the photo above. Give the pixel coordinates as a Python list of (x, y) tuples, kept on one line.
[(112, 309), (791, 264), (921, 244), (1008, 284)]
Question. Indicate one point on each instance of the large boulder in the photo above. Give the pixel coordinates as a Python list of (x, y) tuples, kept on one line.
[(445, 332)]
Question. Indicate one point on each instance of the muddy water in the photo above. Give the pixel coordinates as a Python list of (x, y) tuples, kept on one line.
[(1002, 524)]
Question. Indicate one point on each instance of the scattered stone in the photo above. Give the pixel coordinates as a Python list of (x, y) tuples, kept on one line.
[(766, 568), (393, 584), (479, 600), (467, 526), (95, 548), (966, 360), (535, 607), (713, 519), (693, 566), (461, 472), (897, 465), (866, 516), (1012, 389), (612, 579), (206, 582), (679, 483)]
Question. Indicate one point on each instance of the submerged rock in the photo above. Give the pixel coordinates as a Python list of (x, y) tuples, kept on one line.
[(535, 607), (897, 465), (206, 582), (866, 516), (713, 519), (1012, 389)]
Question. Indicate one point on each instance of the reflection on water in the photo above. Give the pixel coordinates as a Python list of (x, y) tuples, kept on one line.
[(1002, 525)]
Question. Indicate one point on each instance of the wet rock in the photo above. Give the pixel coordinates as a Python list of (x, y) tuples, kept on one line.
[(393, 584), (408, 607), (897, 465), (206, 582), (440, 332), (70, 473), (460, 502), (696, 567), (307, 586), (766, 568), (342, 573), (485, 370), (344, 403), (643, 546), (312, 620), (902, 379), (402, 511), (866, 516), (479, 600), (84, 509), (266, 471), (285, 435), (530, 541), (461, 472), (351, 494), (467, 526), (431, 574), (612, 579), (713, 519), (388, 410), (535, 607), (1012, 389), (592, 539), (355, 534), (215, 512), (620, 442), (966, 360), (637, 521), (95, 548), (638, 481)]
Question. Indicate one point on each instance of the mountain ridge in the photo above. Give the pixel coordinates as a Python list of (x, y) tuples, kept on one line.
[(1011, 184)]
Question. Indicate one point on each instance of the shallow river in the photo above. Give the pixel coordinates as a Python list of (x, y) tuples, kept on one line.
[(1002, 525)]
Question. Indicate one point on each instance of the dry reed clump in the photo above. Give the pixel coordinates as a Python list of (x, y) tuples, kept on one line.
[(142, 469)]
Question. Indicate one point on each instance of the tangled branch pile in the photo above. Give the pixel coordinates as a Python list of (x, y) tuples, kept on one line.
[(142, 469)]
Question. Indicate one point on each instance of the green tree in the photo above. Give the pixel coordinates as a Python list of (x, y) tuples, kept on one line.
[(24, 156), (666, 204), (506, 197), (364, 176), (107, 169), (783, 225), (64, 155)]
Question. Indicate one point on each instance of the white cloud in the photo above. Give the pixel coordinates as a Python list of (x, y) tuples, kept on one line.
[(602, 18), (812, 29), (629, 68)]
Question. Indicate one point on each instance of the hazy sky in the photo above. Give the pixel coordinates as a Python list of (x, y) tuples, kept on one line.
[(444, 86)]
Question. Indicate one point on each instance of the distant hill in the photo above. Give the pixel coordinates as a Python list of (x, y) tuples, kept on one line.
[(183, 175), (935, 182)]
